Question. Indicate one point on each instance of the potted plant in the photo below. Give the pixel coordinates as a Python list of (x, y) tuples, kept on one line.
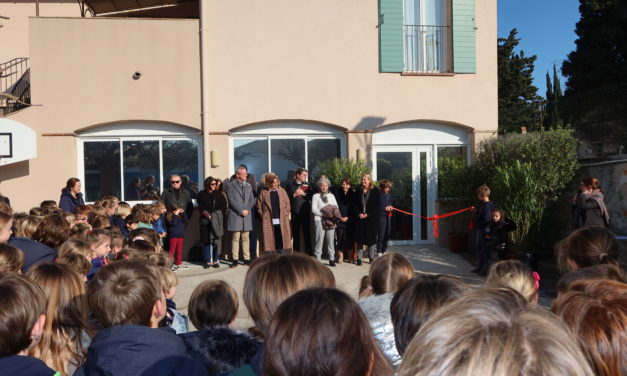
[(457, 183)]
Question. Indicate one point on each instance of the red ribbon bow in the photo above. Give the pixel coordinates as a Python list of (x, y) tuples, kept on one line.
[(436, 227)]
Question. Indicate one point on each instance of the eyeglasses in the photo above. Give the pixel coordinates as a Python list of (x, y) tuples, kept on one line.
[(213, 184), (175, 181)]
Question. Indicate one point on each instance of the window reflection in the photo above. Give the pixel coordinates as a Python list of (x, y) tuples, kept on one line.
[(320, 150), (287, 154), (141, 160), (180, 157), (253, 153), (102, 169)]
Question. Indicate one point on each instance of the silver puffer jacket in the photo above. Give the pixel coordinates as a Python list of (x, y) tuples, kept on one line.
[(377, 310)]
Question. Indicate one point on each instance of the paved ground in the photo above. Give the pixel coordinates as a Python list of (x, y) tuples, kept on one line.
[(425, 259)]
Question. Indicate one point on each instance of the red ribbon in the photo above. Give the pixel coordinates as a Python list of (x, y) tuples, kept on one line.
[(436, 227)]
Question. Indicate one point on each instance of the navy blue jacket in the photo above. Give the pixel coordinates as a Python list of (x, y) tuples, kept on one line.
[(24, 365), (483, 216), (176, 226), (68, 203), (223, 349), (34, 252), (115, 220), (132, 350)]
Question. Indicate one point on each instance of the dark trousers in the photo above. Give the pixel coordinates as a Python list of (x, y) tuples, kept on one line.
[(252, 236), (278, 238), (484, 247), (302, 221), (385, 227)]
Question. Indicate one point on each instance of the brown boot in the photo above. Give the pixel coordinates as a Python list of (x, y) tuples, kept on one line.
[(340, 257)]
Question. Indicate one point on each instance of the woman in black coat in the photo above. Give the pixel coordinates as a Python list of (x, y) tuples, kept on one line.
[(212, 205), (366, 204), (345, 197)]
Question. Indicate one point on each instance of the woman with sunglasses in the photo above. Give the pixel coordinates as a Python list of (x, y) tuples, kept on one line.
[(212, 205)]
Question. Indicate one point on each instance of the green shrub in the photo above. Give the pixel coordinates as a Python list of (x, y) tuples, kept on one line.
[(516, 190), (552, 155), (337, 169)]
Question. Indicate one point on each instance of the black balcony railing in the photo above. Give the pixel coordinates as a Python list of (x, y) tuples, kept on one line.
[(14, 85)]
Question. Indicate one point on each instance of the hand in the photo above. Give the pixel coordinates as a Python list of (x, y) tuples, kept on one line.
[(363, 216), (344, 219), (389, 208), (206, 215), (180, 211), (245, 213), (299, 192)]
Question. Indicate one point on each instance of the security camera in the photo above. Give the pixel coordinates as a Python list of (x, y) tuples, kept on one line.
[(137, 75)]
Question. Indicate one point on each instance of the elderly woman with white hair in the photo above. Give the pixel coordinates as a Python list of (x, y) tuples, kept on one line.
[(326, 214)]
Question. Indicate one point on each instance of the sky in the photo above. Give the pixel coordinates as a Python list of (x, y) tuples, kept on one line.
[(546, 29)]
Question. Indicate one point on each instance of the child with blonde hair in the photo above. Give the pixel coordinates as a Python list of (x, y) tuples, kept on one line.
[(517, 276), (118, 218), (25, 226), (99, 241), (173, 318), (11, 259)]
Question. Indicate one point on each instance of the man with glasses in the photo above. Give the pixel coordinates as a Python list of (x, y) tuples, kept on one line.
[(176, 195)]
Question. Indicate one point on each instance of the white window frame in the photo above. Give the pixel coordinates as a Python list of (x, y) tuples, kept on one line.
[(95, 137), (269, 137), (416, 27)]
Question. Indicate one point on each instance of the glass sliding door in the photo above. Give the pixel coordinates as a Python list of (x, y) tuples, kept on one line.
[(409, 168)]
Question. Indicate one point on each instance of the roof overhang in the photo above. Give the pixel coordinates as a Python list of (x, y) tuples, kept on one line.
[(17, 142), (110, 7)]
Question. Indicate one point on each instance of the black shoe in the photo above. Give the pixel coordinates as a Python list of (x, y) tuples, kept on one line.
[(246, 262), (475, 270), (371, 260), (206, 266), (216, 265), (233, 264), (331, 263), (358, 262), (483, 272)]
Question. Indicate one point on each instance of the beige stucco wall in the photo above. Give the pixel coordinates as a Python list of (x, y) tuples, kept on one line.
[(265, 61), (81, 76), (319, 61), (14, 32)]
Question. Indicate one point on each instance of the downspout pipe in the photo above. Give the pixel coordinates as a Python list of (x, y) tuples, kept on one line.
[(204, 121)]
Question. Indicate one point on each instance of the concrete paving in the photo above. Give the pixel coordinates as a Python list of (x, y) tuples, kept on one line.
[(425, 259)]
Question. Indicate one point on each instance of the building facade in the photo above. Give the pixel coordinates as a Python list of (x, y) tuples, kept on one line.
[(275, 85)]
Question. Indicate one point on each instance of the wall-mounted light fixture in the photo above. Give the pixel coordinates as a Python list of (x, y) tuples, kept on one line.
[(361, 154), (215, 158)]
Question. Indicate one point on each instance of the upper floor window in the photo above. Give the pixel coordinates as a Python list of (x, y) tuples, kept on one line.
[(425, 36)]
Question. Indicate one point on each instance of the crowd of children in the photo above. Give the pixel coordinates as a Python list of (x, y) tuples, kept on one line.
[(91, 293)]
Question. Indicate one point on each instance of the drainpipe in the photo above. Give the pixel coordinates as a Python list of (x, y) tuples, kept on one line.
[(204, 92)]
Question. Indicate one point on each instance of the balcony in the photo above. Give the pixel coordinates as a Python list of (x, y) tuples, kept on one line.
[(426, 49)]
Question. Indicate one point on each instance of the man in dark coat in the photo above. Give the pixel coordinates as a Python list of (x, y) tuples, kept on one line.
[(300, 193), (177, 195)]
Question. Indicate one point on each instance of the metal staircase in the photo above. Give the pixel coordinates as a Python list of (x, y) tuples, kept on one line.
[(14, 85)]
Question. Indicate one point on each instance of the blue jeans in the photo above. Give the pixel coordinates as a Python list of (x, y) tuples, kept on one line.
[(211, 253)]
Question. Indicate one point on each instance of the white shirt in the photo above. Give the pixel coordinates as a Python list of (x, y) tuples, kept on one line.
[(317, 204)]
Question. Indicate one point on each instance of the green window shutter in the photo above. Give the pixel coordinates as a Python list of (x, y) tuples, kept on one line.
[(391, 35), (464, 36)]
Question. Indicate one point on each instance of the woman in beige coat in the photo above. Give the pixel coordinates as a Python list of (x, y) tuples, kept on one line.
[(273, 207)]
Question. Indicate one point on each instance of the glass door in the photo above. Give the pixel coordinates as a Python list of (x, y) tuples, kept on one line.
[(409, 168)]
